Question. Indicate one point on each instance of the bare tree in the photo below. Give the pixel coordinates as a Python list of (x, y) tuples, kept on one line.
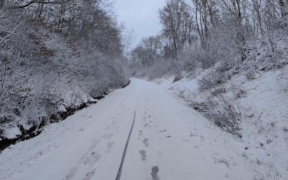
[(149, 51), (128, 39), (206, 15), (236, 9), (283, 7), (177, 22), (257, 7)]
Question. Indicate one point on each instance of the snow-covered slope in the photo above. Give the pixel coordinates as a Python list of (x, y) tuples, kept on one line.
[(264, 112), (167, 134)]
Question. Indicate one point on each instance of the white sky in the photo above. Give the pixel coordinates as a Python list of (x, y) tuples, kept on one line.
[(141, 15)]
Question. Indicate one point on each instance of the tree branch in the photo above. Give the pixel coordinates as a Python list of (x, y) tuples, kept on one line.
[(32, 2), (6, 37)]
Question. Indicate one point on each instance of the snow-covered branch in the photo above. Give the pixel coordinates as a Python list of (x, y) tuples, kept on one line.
[(32, 2), (10, 34)]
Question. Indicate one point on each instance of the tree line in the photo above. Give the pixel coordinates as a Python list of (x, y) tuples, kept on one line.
[(207, 30)]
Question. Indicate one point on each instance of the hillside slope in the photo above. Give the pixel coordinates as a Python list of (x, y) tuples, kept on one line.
[(261, 104)]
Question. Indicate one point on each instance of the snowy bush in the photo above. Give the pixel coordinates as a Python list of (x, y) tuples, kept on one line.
[(222, 110)]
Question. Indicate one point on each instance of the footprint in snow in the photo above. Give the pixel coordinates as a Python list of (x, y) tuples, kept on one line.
[(96, 158), (145, 141), (92, 159), (140, 132), (154, 174), (82, 158), (71, 173), (143, 154), (108, 136), (89, 175), (109, 147), (95, 143)]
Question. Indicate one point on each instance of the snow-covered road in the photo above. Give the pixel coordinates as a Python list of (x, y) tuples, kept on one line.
[(168, 134)]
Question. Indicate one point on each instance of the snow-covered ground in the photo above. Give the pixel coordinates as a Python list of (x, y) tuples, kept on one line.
[(167, 133)]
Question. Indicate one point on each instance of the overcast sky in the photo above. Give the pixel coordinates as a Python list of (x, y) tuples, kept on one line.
[(141, 15)]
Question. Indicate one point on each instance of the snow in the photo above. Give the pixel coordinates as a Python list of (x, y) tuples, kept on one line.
[(62, 108), (180, 141), (264, 122), (12, 132), (184, 86), (267, 99)]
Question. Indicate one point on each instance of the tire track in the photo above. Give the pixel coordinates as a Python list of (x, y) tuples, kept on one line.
[(125, 149)]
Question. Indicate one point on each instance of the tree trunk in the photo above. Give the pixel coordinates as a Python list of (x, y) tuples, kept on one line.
[(283, 7)]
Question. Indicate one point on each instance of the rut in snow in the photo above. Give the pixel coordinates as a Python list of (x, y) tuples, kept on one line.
[(125, 149)]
